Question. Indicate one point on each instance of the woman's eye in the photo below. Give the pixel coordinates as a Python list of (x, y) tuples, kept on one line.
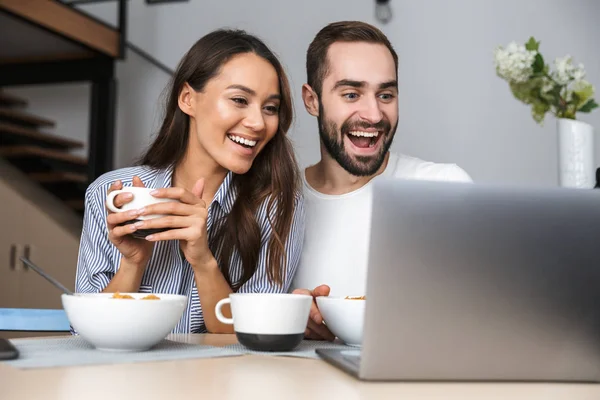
[(272, 109), (240, 100)]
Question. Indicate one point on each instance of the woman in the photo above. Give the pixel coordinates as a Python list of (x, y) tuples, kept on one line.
[(223, 153)]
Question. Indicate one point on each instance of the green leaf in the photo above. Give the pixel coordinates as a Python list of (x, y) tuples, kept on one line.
[(556, 91), (552, 96), (532, 44), (584, 92), (521, 92), (528, 92), (538, 111), (589, 106), (538, 64)]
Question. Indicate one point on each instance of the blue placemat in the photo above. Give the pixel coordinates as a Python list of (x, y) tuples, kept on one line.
[(306, 349), (74, 351)]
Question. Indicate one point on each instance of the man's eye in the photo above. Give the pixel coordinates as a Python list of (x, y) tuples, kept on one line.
[(386, 96)]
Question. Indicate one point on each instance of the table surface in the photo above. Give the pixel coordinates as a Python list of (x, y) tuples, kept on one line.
[(251, 377)]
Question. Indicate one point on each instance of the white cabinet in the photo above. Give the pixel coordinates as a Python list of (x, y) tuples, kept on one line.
[(12, 219), (54, 249), (35, 224)]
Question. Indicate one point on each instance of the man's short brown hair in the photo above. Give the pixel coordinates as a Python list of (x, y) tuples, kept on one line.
[(317, 64)]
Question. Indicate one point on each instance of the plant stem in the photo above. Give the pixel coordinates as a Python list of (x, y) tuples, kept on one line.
[(552, 79), (562, 103)]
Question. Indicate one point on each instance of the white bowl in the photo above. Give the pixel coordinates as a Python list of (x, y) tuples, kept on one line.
[(123, 324), (343, 317)]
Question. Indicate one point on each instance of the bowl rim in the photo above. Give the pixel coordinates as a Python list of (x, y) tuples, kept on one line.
[(107, 296), (336, 298)]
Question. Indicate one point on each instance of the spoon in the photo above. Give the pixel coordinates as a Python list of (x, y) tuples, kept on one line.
[(45, 275)]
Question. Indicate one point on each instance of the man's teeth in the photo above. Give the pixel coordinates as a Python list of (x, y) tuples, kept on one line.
[(241, 140), (364, 134)]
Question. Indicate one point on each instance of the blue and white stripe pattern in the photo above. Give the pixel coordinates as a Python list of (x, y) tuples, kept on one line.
[(168, 271)]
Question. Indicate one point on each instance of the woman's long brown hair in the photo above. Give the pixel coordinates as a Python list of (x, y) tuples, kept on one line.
[(273, 177)]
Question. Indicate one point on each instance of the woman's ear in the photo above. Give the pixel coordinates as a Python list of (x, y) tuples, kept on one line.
[(311, 100), (186, 100)]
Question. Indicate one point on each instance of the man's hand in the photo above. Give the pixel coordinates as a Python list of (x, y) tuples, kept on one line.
[(315, 329)]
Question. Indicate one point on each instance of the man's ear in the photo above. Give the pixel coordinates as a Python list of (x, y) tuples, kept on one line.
[(311, 100), (186, 100)]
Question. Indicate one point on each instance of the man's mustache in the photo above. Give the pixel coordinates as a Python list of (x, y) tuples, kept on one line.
[(383, 125)]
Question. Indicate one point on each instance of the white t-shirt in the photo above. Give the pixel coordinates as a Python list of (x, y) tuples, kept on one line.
[(337, 227)]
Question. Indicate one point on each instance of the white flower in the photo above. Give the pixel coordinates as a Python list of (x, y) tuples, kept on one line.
[(514, 63), (566, 71), (581, 85), (579, 73), (584, 89), (548, 85), (567, 94)]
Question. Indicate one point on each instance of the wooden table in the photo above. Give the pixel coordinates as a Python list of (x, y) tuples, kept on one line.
[(250, 377)]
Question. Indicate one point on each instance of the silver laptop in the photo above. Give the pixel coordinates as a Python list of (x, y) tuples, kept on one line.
[(480, 283)]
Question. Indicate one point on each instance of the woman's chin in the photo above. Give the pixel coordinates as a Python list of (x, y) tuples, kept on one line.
[(238, 167)]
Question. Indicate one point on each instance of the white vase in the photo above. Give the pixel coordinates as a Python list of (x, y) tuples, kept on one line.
[(576, 165)]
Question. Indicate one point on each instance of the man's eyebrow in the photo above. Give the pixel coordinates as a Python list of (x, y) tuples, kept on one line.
[(349, 82), (389, 84), (359, 84)]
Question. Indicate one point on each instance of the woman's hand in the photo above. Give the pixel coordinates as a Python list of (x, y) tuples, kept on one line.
[(134, 251), (185, 220)]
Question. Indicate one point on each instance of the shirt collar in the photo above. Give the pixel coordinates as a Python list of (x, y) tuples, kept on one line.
[(225, 195), (164, 177)]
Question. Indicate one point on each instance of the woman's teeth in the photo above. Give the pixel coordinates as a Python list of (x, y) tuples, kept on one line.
[(241, 140)]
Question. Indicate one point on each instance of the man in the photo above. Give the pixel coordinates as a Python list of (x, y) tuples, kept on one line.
[(352, 90)]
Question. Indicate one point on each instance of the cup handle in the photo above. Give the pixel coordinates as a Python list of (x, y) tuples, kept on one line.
[(110, 200), (220, 316)]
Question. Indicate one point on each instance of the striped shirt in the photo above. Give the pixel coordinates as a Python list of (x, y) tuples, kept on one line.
[(168, 271)]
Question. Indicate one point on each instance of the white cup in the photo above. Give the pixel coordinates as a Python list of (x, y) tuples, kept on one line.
[(141, 198), (267, 321)]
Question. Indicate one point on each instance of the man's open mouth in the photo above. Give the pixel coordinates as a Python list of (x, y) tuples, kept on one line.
[(364, 139)]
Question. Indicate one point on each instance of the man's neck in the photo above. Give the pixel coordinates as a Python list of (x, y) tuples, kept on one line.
[(328, 177)]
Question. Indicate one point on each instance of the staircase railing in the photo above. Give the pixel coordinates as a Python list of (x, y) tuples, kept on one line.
[(97, 69), (122, 28)]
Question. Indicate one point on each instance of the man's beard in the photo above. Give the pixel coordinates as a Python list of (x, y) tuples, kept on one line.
[(355, 165)]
